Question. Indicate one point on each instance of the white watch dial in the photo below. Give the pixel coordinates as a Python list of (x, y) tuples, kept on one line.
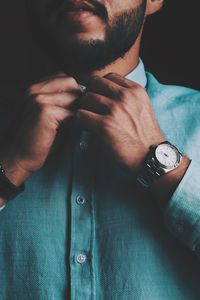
[(167, 155)]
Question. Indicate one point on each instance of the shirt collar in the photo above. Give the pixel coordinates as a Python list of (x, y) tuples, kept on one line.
[(138, 75)]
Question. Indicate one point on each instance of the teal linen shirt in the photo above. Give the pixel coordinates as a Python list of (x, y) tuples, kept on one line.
[(82, 228)]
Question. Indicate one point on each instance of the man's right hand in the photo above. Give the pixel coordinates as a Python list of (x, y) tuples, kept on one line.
[(49, 104)]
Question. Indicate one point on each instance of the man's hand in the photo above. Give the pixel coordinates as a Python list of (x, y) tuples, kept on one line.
[(119, 111), (48, 105)]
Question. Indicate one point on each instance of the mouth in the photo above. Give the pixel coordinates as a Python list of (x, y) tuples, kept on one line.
[(80, 6)]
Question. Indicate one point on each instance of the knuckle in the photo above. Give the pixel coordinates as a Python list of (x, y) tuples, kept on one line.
[(121, 94), (101, 101), (94, 78), (125, 94), (138, 90), (39, 99), (71, 81), (112, 107)]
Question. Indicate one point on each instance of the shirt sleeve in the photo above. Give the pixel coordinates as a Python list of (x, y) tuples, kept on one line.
[(182, 215)]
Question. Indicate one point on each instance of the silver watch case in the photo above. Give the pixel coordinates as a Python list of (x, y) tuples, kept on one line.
[(153, 168), (153, 163)]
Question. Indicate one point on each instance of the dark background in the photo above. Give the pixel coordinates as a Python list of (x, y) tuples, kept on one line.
[(170, 47), (171, 43)]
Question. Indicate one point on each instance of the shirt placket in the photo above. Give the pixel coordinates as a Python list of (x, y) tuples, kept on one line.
[(82, 220)]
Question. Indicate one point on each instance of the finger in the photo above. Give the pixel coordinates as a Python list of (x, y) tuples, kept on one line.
[(103, 86), (95, 103), (61, 115), (51, 114), (64, 100), (90, 121), (56, 85), (120, 80)]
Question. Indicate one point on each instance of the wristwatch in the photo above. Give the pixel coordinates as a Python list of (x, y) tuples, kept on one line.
[(7, 189), (161, 159)]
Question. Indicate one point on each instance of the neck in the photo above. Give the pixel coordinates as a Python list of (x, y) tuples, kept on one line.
[(122, 66)]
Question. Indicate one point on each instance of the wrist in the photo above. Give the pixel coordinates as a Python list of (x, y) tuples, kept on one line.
[(162, 171), (161, 159), (15, 173), (10, 189)]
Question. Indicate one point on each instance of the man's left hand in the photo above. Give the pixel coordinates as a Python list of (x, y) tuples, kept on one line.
[(119, 112)]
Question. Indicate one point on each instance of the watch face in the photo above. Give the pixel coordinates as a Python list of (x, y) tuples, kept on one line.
[(167, 155)]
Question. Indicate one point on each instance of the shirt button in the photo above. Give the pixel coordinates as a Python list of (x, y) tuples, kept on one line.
[(80, 200), (81, 258), (83, 145)]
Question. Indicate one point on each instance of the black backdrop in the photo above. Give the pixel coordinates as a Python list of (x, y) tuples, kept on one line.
[(170, 47), (171, 43)]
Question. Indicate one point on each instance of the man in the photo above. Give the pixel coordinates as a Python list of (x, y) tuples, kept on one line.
[(92, 221)]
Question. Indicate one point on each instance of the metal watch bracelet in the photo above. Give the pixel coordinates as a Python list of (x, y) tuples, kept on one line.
[(149, 173)]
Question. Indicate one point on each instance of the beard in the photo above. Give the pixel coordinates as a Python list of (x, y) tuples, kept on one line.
[(86, 56)]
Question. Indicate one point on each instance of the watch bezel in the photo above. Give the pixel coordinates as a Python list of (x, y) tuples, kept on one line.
[(178, 155)]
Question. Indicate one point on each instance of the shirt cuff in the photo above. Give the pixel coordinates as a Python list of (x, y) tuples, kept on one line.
[(182, 215), (2, 207)]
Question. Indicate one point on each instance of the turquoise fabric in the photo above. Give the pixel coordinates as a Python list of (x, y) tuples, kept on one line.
[(83, 228)]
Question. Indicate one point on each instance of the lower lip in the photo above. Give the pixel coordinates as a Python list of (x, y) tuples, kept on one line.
[(80, 14)]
